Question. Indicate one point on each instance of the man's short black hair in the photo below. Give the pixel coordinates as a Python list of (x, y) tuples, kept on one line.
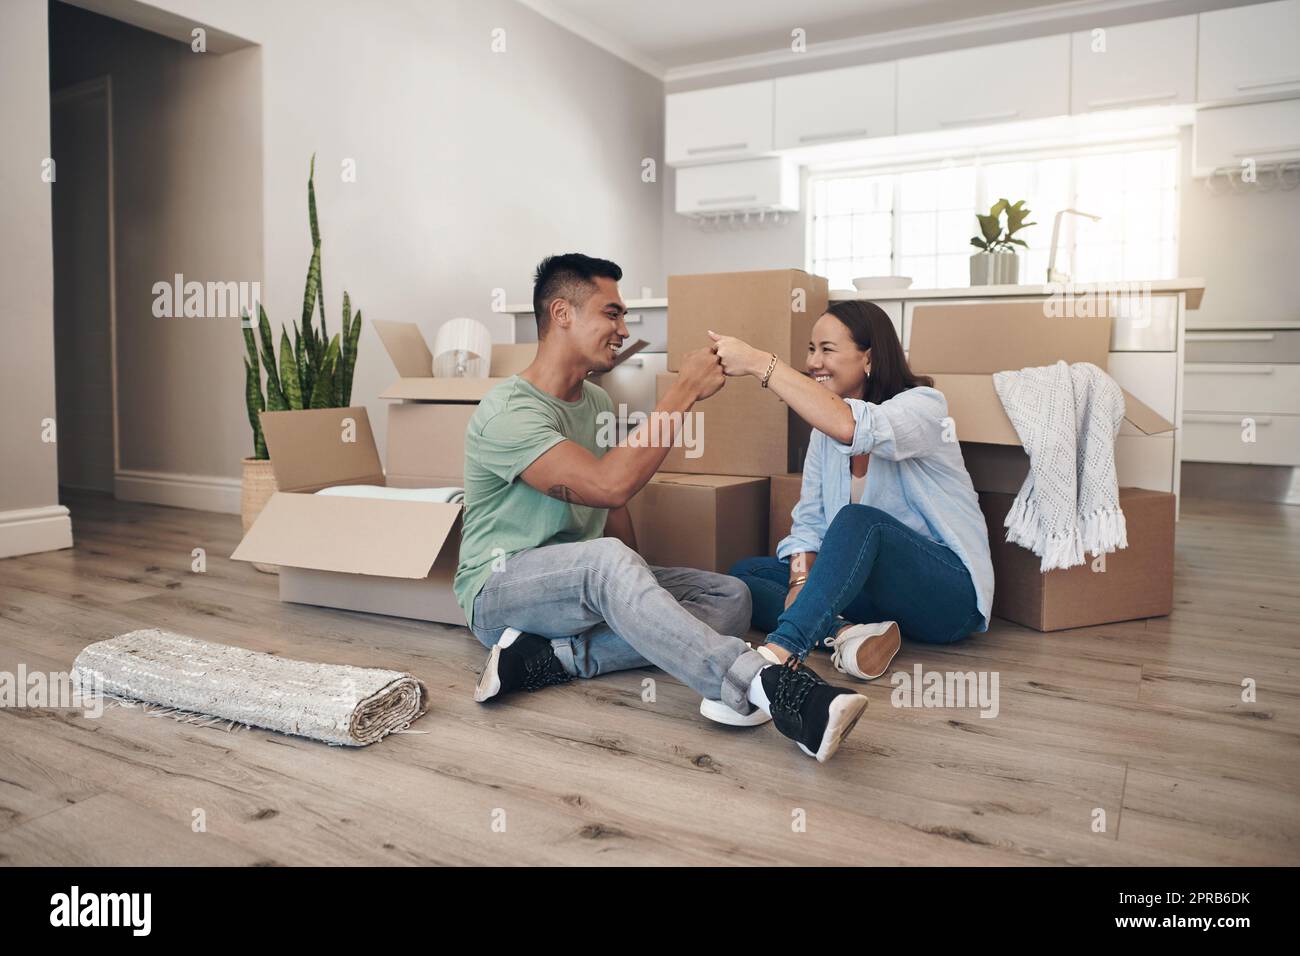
[(570, 276)]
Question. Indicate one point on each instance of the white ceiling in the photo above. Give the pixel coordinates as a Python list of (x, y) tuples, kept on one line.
[(666, 35)]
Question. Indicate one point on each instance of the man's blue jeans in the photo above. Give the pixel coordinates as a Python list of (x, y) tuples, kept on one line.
[(871, 567)]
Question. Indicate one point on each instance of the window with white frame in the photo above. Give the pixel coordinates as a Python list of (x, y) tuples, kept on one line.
[(917, 219)]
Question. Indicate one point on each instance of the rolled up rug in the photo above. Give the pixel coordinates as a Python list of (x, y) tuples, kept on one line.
[(198, 681)]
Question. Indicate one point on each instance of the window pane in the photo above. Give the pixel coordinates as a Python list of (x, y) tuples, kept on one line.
[(930, 213)]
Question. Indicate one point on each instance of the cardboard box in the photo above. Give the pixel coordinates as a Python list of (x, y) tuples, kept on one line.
[(426, 443), (784, 495), (744, 429), (1136, 582), (773, 311), (413, 359), (700, 521), (414, 362), (360, 554), (962, 345)]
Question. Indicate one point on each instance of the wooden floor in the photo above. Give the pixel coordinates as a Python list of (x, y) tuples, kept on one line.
[(1143, 721)]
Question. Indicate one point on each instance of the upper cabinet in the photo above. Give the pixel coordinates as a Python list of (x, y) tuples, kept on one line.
[(833, 105), (1025, 79), (722, 123), (1249, 51), (1138, 64)]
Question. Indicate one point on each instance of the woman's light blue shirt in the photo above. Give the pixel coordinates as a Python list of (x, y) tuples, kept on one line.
[(917, 475)]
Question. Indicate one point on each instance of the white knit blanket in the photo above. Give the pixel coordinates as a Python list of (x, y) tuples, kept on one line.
[(1067, 417)]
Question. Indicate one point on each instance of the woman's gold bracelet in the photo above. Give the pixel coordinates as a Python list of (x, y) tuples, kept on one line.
[(771, 367), (798, 581)]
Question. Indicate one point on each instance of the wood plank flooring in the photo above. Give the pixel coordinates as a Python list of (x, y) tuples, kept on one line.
[(1143, 722)]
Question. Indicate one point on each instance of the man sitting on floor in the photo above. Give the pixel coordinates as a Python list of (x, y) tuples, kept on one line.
[(549, 576)]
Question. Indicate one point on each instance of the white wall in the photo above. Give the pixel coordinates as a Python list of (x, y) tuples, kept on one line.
[(471, 165), (28, 466)]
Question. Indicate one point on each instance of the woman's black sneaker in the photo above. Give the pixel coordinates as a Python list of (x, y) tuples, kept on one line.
[(520, 662), (808, 710)]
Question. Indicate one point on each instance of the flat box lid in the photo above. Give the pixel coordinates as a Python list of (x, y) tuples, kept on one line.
[(992, 337), (394, 539), (310, 449), (974, 406), (429, 389), (704, 481)]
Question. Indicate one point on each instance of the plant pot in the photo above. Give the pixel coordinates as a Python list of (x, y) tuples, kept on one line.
[(255, 491), (994, 268)]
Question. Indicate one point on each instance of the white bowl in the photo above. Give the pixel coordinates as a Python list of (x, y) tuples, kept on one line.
[(870, 283)]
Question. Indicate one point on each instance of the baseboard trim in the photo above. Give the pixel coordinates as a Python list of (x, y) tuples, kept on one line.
[(32, 530), (200, 492)]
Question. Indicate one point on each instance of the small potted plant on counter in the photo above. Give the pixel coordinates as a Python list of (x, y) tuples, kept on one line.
[(313, 371), (998, 263)]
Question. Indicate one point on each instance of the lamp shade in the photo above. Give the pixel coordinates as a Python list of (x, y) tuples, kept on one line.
[(462, 349)]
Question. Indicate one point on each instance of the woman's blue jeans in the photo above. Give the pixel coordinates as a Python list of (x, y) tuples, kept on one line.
[(871, 567)]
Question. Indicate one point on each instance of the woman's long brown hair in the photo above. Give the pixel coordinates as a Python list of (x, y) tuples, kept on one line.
[(871, 329)]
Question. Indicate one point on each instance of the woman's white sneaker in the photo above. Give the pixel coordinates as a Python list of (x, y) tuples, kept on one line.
[(865, 650)]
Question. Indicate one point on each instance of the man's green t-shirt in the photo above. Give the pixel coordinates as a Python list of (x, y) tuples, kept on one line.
[(514, 425)]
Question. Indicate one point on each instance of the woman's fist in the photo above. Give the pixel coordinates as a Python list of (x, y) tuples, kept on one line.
[(737, 357)]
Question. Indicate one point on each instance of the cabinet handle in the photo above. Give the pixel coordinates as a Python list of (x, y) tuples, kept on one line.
[(717, 200), (1206, 368), (1208, 418), (824, 137), (1263, 84), (1247, 153), (1230, 336), (725, 147), (986, 118), (1126, 100), (630, 318)]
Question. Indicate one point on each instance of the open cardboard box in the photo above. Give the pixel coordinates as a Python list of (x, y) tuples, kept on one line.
[(961, 346), (410, 353), (383, 557), (359, 554)]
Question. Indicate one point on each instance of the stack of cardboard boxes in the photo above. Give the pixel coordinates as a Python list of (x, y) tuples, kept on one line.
[(724, 495), (961, 346), (709, 505), (366, 554)]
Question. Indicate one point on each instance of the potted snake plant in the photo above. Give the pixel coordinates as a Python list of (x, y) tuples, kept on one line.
[(998, 263), (313, 370)]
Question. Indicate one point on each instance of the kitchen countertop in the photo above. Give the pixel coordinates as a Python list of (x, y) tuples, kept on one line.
[(1195, 289)]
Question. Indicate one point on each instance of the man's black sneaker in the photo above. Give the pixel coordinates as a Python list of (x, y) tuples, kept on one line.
[(520, 662), (808, 710)]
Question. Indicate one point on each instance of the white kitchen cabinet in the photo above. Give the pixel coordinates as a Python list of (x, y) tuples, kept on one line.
[(1140, 64), (721, 123), (834, 105), (1150, 377), (1021, 80), (1223, 138), (1227, 437), (1249, 51), (1241, 387), (770, 184)]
